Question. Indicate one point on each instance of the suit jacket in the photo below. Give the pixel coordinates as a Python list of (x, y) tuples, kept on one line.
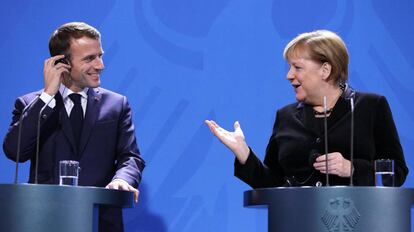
[(107, 149), (297, 135)]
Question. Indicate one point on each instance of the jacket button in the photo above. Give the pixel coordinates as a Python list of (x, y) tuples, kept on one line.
[(44, 116), (318, 140)]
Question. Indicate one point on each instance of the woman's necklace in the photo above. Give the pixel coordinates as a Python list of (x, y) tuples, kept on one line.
[(328, 110), (317, 113)]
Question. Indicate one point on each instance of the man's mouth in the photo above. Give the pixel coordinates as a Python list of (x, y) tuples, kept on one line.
[(96, 75)]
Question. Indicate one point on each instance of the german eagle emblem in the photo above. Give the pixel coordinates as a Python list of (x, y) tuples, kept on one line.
[(341, 215)]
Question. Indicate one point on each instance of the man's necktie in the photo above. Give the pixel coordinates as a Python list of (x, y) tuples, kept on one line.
[(76, 117)]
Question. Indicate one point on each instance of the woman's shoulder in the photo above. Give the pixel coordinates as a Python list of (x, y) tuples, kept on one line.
[(368, 97), (290, 108)]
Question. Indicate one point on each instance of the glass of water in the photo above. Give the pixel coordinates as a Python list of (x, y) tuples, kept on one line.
[(68, 172), (384, 172)]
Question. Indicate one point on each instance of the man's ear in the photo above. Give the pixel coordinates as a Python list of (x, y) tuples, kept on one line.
[(326, 70)]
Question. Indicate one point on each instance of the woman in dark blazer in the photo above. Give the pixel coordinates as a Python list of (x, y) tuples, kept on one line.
[(295, 155)]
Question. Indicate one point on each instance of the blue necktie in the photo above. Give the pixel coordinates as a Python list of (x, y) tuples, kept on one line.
[(76, 117)]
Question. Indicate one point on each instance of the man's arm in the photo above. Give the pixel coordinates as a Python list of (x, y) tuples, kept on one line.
[(29, 127), (129, 164), (52, 74)]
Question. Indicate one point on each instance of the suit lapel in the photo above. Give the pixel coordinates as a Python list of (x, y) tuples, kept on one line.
[(341, 111), (304, 117), (91, 115)]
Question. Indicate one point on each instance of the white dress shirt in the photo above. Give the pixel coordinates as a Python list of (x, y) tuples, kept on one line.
[(64, 91)]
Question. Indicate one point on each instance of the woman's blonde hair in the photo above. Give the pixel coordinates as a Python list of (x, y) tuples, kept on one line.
[(322, 46)]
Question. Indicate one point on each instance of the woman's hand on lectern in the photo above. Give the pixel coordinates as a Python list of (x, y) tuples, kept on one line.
[(235, 140), (337, 164)]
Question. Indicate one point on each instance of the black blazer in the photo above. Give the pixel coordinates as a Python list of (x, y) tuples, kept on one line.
[(297, 134)]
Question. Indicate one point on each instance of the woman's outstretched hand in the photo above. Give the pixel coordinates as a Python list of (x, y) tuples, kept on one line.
[(235, 140)]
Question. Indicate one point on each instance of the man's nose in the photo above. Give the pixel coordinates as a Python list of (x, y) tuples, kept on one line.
[(99, 64)]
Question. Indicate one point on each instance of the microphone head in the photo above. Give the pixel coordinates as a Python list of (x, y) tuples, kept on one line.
[(313, 154), (352, 104)]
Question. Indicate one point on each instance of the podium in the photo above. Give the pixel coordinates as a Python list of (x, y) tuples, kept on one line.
[(342, 208), (40, 208)]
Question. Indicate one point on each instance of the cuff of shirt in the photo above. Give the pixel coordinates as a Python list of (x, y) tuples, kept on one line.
[(46, 98), (118, 179)]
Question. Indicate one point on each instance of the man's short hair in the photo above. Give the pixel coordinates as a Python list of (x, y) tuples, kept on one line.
[(59, 42)]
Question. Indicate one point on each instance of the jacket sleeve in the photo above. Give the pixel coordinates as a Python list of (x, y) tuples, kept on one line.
[(129, 164), (387, 146), (387, 142), (258, 174), (26, 111)]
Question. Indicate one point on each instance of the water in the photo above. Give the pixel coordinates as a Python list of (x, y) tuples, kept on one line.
[(384, 179), (68, 180)]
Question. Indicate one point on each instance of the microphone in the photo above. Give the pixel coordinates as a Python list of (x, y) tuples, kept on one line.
[(293, 182), (326, 138), (351, 181), (38, 134), (38, 137), (313, 155), (19, 137)]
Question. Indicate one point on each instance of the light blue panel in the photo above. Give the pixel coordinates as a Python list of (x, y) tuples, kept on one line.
[(183, 61)]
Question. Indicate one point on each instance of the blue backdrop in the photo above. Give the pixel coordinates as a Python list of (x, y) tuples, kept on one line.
[(183, 61)]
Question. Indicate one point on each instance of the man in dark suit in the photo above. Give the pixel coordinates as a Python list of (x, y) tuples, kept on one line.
[(80, 121)]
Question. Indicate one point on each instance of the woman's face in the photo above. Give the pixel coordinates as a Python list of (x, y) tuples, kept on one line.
[(307, 78)]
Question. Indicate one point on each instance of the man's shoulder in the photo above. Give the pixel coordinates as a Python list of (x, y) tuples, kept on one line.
[(28, 97), (108, 97), (107, 92)]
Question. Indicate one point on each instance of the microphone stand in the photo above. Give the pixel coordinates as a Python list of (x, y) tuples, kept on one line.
[(351, 183), (19, 138), (38, 134), (326, 138), (38, 138)]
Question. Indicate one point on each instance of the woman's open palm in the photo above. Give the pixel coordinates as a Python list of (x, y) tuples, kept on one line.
[(235, 140)]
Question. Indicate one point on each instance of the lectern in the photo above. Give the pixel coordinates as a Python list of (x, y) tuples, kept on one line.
[(40, 208), (339, 209)]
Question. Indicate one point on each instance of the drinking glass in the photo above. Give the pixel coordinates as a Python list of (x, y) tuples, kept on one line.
[(68, 172), (384, 172)]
